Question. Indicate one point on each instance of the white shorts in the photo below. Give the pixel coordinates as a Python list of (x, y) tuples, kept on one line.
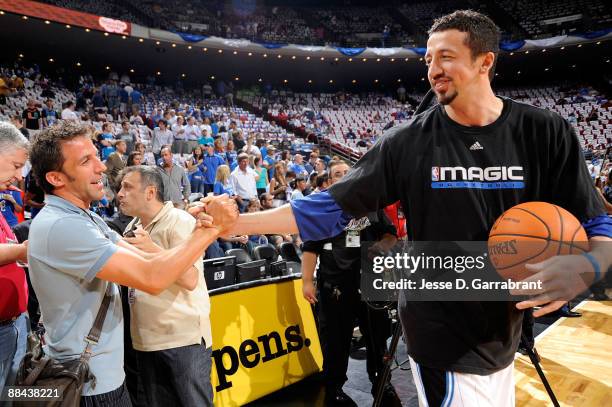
[(438, 388)]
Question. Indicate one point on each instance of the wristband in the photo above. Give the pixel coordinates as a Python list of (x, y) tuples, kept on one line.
[(595, 264)]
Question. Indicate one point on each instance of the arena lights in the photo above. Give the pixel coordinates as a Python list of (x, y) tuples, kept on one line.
[(108, 68), (205, 49), (183, 75), (250, 54), (607, 61), (47, 22), (87, 30), (265, 55), (364, 59), (24, 17), (158, 73), (51, 60), (579, 45), (331, 81), (259, 80), (20, 55), (423, 79), (350, 59), (173, 45), (1, 13), (512, 53), (307, 58), (573, 66), (279, 56), (235, 52), (309, 80), (236, 78), (544, 50), (157, 43), (421, 59), (563, 47), (406, 59), (140, 40), (285, 81), (106, 34), (392, 59), (132, 70), (545, 69), (336, 59), (68, 26), (375, 80), (598, 42), (399, 80), (354, 81), (293, 57), (527, 52), (322, 58), (189, 47), (78, 64), (123, 37), (220, 51), (518, 72), (377, 59)]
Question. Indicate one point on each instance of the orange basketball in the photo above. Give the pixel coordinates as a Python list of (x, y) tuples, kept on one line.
[(530, 233)]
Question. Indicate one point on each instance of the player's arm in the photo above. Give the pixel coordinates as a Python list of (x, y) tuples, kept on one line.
[(309, 263), (10, 253)]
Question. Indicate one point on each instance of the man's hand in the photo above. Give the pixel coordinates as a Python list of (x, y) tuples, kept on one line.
[(309, 291), (562, 277), (142, 241), (223, 210), (23, 258)]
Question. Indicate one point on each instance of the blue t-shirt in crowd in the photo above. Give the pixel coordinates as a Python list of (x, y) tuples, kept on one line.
[(270, 161), (298, 169), (124, 96), (206, 140), (215, 128), (104, 150), (231, 156), (7, 208), (220, 189), (136, 96), (212, 162)]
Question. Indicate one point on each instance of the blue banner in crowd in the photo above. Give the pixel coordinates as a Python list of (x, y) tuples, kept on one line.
[(511, 45), (350, 52), (191, 37), (418, 50), (271, 45), (594, 34)]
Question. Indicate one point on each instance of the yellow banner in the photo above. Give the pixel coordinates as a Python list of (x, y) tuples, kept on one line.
[(264, 339)]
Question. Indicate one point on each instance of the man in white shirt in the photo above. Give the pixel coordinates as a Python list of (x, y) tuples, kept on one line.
[(161, 137), (243, 180), (179, 146), (206, 126), (68, 113), (192, 133), (250, 148)]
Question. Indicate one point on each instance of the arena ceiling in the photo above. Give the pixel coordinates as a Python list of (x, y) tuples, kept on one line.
[(42, 42)]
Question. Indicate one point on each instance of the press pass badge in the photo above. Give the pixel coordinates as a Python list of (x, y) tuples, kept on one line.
[(131, 296), (353, 239)]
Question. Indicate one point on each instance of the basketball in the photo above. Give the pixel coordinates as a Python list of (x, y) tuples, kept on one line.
[(530, 233)]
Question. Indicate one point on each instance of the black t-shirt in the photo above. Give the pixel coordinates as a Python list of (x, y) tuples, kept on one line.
[(453, 182), (341, 264), (31, 118)]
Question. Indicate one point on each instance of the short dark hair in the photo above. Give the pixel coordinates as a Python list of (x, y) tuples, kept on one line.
[(149, 177), (322, 179), (482, 34), (46, 150), (130, 160)]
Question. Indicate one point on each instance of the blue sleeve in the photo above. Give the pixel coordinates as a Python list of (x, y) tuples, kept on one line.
[(319, 217), (17, 196), (217, 189), (598, 226)]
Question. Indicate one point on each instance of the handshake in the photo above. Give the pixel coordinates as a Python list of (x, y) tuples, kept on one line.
[(220, 212)]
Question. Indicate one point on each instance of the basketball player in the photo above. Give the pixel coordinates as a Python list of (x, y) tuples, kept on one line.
[(462, 352)]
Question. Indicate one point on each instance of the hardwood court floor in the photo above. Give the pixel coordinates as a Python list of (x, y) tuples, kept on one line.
[(576, 358)]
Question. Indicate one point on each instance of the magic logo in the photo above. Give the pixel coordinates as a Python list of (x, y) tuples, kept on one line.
[(502, 177)]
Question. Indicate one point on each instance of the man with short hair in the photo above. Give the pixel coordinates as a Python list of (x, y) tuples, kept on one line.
[(312, 162), (298, 166), (244, 182), (211, 161), (179, 145), (130, 136), (115, 163), (49, 114), (176, 183), (68, 112), (17, 121), (192, 134), (161, 137), (32, 117), (404, 165), (174, 347), (13, 283), (77, 256)]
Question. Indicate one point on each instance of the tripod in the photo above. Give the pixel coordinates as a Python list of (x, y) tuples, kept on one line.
[(536, 363), (388, 360)]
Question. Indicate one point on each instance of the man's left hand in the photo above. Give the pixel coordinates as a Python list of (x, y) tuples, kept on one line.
[(143, 241), (562, 278)]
